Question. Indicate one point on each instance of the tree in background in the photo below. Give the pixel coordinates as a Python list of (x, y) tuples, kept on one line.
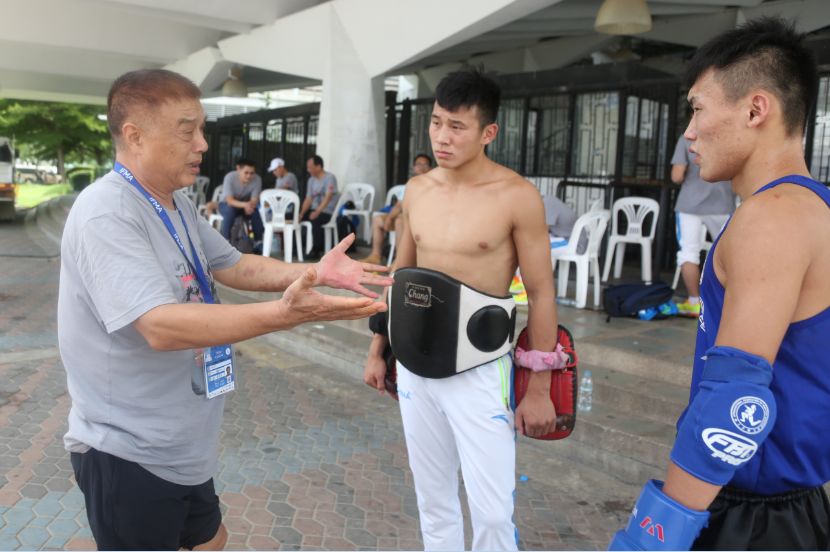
[(57, 132)]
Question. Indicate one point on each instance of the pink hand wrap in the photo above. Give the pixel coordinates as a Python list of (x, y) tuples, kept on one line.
[(540, 361)]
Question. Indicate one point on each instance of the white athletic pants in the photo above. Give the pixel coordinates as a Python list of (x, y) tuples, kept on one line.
[(689, 234), (463, 420)]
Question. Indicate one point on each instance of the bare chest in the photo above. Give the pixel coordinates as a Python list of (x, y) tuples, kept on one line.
[(467, 227)]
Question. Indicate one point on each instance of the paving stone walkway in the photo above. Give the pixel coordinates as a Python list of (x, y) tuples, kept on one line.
[(310, 458)]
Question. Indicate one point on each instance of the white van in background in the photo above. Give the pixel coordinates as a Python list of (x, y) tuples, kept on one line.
[(7, 190)]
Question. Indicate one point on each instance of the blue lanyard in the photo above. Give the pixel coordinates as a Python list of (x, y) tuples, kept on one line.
[(195, 265)]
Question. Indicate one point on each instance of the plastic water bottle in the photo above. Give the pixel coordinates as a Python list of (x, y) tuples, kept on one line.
[(585, 400)]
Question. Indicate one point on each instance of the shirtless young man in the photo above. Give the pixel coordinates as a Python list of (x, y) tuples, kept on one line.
[(475, 221), (752, 453)]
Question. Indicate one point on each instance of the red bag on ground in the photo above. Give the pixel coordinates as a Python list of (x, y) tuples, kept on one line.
[(563, 385)]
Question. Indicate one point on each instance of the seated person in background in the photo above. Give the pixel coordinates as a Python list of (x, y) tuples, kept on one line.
[(390, 220), (319, 202), (241, 191), (285, 179), (560, 219)]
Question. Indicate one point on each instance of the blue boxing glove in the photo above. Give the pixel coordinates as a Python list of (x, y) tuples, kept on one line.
[(659, 523), (729, 418)]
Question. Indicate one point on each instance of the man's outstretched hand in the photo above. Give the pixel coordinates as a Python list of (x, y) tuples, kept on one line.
[(304, 304), (337, 270)]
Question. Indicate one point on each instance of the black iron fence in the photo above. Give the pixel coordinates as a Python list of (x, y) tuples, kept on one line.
[(586, 134), (289, 133), (817, 143)]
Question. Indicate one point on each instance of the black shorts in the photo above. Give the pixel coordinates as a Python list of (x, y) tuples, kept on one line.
[(797, 520), (129, 508)]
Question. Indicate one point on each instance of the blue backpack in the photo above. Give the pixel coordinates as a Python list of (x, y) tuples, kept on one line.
[(629, 299)]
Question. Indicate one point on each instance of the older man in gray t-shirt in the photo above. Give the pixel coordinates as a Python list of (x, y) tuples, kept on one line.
[(285, 179), (119, 262), (700, 205), (318, 189), (144, 341), (320, 200)]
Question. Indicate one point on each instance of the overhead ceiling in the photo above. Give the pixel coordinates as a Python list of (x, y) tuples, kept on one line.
[(72, 49), (565, 32)]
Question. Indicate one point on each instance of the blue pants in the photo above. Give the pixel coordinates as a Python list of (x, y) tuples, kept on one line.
[(229, 215)]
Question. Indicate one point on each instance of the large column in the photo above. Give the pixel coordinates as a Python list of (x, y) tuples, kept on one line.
[(350, 135)]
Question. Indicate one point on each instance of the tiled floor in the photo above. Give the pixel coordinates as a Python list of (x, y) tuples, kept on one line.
[(309, 459)]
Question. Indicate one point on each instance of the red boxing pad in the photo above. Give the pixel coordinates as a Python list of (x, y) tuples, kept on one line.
[(563, 385)]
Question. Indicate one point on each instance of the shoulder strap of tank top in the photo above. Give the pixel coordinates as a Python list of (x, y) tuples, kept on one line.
[(817, 187)]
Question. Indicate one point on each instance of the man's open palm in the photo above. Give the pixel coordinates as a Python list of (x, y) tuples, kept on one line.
[(337, 270)]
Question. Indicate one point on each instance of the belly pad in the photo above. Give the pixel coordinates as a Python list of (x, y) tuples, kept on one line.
[(439, 327)]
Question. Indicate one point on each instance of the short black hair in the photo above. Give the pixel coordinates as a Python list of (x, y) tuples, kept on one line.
[(470, 88), (766, 52), (422, 156), (318, 161), (145, 89), (245, 162)]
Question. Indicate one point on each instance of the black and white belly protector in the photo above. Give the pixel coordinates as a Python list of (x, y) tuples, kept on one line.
[(439, 327)]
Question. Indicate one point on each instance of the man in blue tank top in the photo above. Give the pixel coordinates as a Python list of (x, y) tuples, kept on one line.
[(752, 452)]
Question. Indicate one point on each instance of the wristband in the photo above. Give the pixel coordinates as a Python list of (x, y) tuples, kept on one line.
[(377, 323), (541, 361)]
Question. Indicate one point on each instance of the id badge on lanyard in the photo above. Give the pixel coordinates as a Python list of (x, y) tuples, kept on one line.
[(213, 368)]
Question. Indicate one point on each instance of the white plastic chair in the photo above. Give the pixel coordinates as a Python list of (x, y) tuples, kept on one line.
[(214, 219), (594, 223), (279, 202), (196, 192), (635, 210), (704, 246), (309, 236), (363, 195), (190, 192), (394, 192), (330, 228)]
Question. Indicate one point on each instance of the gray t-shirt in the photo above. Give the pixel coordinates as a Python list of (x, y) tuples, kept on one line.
[(698, 197), (118, 261), (233, 187), (287, 182), (559, 217), (318, 188)]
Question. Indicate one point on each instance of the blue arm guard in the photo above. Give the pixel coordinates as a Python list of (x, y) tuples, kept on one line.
[(729, 418), (659, 523)]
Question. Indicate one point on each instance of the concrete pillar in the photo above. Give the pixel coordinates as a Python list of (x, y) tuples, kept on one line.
[(352, 126)]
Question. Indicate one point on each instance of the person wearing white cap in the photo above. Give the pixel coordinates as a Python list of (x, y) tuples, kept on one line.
[(286, 180)]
